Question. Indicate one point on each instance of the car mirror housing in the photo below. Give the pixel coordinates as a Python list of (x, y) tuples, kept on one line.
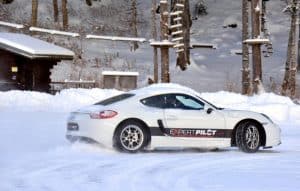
[(209, 110)]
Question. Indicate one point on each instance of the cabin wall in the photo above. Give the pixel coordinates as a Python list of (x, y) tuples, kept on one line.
[(31, 74), (35, 74), (8, 77)]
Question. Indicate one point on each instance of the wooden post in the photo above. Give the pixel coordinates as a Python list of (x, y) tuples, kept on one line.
[(256, 49), (165, 76), (246, 84)]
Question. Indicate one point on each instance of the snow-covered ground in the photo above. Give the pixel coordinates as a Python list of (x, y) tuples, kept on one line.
[(35, 155)]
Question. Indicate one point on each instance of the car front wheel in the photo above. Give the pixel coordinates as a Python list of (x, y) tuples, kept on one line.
[(131, 137), (248, 137)]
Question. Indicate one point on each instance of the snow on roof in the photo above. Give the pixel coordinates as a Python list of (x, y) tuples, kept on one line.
[(116, 38), (162, 43), (53, 31), (18, 26), (119, 73), (32, 48)]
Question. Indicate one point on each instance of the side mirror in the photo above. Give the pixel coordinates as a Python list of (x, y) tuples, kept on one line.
[(209, 110)]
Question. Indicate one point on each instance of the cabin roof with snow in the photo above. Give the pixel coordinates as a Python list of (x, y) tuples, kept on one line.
[(33, 48)]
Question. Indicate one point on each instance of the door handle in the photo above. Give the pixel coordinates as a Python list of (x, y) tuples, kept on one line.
[(171, 117)]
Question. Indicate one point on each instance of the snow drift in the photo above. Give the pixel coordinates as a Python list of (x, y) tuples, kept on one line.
[(279, 108)]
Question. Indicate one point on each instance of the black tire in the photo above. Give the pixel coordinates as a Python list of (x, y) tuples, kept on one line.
[(131, 136), (248, 137)]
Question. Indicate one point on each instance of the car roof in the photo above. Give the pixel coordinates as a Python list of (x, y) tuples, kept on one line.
[(163, 88)]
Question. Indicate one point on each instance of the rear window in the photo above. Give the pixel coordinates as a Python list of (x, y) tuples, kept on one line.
[(114, 99)]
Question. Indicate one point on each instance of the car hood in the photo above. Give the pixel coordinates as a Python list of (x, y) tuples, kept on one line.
[(231, 113)]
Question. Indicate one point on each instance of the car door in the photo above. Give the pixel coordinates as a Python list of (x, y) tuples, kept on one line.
[(186, 117)]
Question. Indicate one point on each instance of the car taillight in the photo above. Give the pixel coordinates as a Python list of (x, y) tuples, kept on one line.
[(103, 114)]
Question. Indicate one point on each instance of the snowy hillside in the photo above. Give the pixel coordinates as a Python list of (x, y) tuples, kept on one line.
[(35, 155)]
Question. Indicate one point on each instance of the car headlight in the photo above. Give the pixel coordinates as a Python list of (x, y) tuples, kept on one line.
[(267, 117)]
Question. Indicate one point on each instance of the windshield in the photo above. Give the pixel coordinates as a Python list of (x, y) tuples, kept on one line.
[(115, 99)]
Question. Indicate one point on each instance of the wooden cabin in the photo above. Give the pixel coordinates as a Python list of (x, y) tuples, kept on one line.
[(25, 62)]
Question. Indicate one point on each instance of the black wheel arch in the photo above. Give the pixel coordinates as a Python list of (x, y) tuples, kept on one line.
[(136, 120), (260, 128)]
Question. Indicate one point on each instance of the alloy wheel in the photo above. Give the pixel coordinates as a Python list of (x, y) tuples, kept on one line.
[(252, 137), (132, 137)]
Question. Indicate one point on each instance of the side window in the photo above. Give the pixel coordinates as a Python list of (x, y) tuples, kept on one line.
[(154, 101), (181, 101)]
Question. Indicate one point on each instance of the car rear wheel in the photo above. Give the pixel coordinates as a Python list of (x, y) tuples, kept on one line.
[(131, 137), (248, 137)]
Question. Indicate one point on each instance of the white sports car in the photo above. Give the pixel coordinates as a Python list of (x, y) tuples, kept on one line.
[(170, 116)]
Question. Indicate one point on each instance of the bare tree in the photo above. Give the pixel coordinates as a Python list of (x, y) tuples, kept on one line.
[(289, 82), (65, 16), (34, 12), (55, 10), (246, 84), (154, 36)]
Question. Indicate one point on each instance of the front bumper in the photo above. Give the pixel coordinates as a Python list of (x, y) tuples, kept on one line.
[(273, 134)]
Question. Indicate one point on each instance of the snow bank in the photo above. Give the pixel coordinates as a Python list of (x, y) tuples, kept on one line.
[(279, 108), (65, 101)]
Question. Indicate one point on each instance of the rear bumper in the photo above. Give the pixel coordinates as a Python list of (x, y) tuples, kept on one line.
[(91, 130)]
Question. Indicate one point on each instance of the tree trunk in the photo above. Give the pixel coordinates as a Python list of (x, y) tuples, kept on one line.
[(134, 23), (65, 14), (246, 85), (154, 36), (165, 76), (289, 81), (55, 10), (298, 67), (187, 24), (256, 49), (183, 58), (34, 12)]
